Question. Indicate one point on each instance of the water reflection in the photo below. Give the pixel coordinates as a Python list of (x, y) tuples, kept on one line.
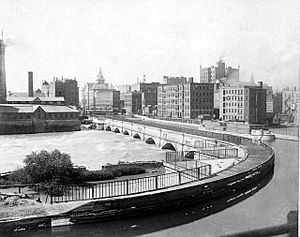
[(155, 222)]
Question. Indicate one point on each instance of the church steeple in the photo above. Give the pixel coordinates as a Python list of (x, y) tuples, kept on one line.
[(100, 78), (252, 79)]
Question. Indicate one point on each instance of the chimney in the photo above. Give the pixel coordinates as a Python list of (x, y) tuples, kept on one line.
[(260, 84), (191, 80), (30, 84), (3, 92)]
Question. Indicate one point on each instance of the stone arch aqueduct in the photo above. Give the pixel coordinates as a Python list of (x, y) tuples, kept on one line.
[(166, 138)]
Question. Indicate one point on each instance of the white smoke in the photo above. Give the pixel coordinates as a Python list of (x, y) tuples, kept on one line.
[(11, 42), (15, 42)]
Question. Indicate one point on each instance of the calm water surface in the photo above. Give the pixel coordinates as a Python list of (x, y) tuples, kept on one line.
[(269, 206)]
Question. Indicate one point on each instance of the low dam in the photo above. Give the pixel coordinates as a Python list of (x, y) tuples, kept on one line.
[(178, 187)]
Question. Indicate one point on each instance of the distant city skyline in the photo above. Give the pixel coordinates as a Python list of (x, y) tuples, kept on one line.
[(130, 38)]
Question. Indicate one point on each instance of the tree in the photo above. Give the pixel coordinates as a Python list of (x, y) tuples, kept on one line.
[(49, 167)]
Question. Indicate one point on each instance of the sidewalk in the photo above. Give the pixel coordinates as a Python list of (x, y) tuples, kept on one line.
[(197, 126), (286, 137)]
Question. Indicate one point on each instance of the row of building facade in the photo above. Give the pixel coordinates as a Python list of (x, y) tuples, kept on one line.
[(219, 95), (58, 88), (185, 100)]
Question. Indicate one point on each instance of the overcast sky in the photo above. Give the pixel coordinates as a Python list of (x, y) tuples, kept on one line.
[(72, 38)]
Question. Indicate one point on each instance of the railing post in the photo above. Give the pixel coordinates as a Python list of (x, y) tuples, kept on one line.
[(209, 170), (198, 171), (51, 198), (179, 177), (156, 182), (127, 186), (93, 191)]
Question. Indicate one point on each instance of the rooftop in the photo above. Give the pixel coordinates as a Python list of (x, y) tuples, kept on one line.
[(26, 98), (30, 108)]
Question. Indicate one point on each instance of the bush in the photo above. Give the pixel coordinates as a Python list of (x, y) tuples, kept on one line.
[(99, 175), (45, 167), (127, 170), (53, 169), (95, 175)]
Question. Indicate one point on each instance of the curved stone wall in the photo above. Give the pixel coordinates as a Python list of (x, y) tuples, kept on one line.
[(259, 163)]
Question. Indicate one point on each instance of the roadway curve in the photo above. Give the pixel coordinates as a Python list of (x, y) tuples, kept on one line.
[(257, 165)]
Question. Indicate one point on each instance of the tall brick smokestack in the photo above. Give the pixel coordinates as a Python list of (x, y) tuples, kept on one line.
[(2, 72), (30, 84)]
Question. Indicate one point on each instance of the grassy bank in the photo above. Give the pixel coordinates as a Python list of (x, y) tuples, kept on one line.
[(12, 207), (17, 206)]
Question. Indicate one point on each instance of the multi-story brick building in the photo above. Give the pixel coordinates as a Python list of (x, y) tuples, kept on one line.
[(148, 95), (205, 75), (290, 102), (274, 105), (243, 103), (270, 112), (64, 87), (218, 73), (106, 100), (71, 92), (186, 100), (290, 99), (173, 80), (277, 103), (133, 102)]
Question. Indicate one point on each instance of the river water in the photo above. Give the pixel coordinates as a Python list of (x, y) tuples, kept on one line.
[(267, 207), (90, 148)]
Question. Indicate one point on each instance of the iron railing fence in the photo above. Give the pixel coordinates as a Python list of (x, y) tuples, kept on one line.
[(127, 187), (181, 161), (223, 153), (216, 153)]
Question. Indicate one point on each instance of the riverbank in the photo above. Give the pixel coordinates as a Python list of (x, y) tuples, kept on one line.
[(15, 205)]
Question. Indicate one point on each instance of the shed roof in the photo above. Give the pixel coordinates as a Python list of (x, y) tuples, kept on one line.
[(45, 99), (30, 108)]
